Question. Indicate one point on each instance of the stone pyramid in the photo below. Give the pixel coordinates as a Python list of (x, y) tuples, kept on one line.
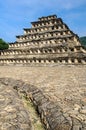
[(48, 42)]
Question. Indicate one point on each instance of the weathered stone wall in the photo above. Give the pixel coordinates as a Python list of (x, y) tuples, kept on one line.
[(13, 114)]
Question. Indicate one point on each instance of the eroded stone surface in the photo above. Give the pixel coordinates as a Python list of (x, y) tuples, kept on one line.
[(13, 115), (52, 115)]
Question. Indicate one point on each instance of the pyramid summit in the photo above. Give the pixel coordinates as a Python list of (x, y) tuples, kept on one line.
[(48, 41)]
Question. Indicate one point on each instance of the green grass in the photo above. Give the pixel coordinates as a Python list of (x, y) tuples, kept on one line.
[(35, 119)]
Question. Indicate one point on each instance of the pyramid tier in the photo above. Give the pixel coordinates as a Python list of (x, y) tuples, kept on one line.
[(55, 54), (44, 29)]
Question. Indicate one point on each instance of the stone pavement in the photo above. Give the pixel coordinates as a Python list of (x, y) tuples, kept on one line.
[(58, 93)]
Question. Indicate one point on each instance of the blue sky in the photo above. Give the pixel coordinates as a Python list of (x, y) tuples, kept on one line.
[(17, 14)]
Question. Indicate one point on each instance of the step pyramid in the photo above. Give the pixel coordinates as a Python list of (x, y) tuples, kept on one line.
[(49, 41)]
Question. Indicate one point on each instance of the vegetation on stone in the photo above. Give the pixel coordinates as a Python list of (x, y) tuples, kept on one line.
[(3, 45), (19, 112)]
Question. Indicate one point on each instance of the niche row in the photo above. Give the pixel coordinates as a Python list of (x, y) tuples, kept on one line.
[(44, 36), (42, 51), (46, 29), (46, 23), (65, 60), (46, 42), (43, 42)]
